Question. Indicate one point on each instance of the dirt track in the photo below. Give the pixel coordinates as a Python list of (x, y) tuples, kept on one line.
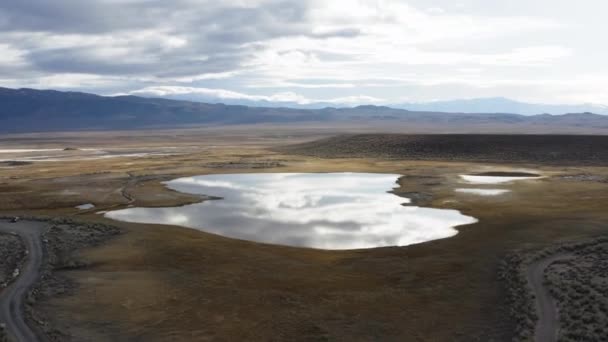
[(12, 298), (547, 326)]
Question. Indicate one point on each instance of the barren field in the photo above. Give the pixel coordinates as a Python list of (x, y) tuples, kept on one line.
[(158, 283)]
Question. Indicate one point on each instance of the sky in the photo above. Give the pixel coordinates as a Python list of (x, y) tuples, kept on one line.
[(307, 51)]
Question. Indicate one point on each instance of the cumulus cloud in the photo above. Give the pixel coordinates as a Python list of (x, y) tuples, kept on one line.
[(362, 50)]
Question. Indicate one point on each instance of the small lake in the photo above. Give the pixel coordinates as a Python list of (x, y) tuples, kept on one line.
[(318, 210)]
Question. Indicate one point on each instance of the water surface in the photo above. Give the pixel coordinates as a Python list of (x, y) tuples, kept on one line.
[(85, 206), (319, 210), (483, 192), (480, 179)]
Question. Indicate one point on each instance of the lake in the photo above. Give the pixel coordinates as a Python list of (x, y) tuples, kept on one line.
[(317, 210)]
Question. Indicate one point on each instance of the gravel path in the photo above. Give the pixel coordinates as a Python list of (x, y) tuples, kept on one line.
[(547, 326), (12, 306)]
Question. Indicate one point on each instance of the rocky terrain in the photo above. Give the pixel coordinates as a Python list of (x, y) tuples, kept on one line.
[(12, 253), (580, 286), (519, 296), (547, 149)]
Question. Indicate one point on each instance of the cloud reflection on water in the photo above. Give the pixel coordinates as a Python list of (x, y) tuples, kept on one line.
[(319, 210)]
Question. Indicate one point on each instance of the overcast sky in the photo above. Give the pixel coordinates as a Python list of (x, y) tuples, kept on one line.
[(342, 51)]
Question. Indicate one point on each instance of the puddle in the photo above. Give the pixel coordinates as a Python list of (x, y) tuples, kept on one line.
[(85, 206), (484, 192), (498, 177)]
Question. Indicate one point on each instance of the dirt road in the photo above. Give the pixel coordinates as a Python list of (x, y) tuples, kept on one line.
[(547, 326), (12, 298)]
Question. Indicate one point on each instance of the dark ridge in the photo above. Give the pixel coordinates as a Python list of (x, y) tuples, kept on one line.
[(505, 174), (15, 163), (548, 149)]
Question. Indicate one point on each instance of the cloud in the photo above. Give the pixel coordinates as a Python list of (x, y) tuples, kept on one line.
[(361, 49), (10, 55), (181, 38)]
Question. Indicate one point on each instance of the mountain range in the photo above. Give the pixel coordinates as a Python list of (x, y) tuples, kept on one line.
[(30, 110), (502, 105), (476, 105)]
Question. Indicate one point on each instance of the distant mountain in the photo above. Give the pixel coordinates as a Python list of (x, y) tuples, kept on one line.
[(501, 105), (29, 110), (477, 105)]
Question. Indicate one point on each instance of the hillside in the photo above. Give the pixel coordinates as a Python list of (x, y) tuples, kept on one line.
[(546, 149)]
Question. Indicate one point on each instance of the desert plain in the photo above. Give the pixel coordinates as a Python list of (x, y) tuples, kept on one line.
[(151, 282)]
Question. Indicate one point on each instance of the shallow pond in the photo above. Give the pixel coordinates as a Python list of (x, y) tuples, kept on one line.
[(483, 192), (318, 210), (85, 206), (498, 177)]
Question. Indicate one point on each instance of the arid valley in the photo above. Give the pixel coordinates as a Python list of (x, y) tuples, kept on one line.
[(144, 282)]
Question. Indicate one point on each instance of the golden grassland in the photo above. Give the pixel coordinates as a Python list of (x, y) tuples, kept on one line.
[(159, 283)]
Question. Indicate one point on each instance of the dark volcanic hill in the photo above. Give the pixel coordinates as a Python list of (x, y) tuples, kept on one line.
[(548, 149), (30, 110)]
